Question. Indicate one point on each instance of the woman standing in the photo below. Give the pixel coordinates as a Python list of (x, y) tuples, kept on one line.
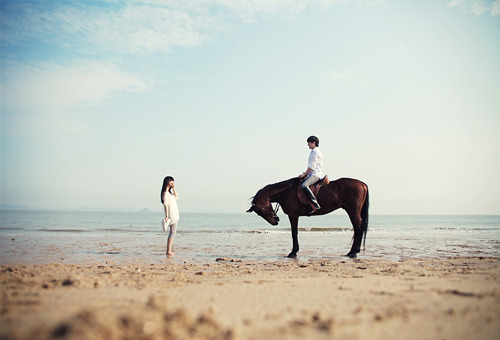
[(169, 199)]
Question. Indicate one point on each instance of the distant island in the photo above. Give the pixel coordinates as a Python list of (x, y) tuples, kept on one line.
[(145, 210)]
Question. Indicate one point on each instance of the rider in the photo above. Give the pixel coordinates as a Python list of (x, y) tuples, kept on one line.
[(314, 172)]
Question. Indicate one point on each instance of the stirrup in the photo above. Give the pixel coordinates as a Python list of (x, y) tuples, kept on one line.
[(312, 210)]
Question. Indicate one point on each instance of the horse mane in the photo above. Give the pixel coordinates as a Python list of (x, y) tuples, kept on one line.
[(272, 189)]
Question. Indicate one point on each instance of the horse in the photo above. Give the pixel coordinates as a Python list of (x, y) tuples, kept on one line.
[(346, 193)]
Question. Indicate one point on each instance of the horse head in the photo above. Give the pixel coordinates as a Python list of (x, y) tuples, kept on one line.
[(266, 212), (262, 207), (261, 203)]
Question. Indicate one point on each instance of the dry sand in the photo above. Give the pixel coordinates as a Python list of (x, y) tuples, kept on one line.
[(229, 299)]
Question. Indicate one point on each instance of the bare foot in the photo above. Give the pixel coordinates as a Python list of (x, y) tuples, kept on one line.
[(169, 253)]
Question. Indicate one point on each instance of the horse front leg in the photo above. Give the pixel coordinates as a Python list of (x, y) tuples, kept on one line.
[(294, 223)]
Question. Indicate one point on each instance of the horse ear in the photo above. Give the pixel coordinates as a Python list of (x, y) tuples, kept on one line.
[(250, 210)]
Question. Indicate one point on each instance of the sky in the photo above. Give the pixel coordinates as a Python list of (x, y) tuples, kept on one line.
[(100, 100)]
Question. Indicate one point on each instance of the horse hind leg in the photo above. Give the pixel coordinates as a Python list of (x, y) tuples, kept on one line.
[(355, 217)]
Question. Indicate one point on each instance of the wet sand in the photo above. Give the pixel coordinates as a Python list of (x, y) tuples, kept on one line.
[(455, 298)]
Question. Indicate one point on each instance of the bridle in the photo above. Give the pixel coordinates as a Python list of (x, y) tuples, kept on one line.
[(275, 210), (278, 203)]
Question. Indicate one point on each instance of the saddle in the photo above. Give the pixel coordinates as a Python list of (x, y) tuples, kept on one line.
[(314, 188)]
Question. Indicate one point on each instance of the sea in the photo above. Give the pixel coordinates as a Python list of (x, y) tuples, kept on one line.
[(101, 237)]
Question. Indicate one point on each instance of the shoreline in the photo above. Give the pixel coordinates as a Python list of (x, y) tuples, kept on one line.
[(455, 298), (82, 238)]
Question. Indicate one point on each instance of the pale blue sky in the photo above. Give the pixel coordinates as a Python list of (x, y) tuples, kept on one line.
[(102, 99)]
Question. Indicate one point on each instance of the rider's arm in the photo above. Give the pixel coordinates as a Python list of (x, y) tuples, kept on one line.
[(305, 173)]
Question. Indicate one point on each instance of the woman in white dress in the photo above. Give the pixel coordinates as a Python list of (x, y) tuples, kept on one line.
[(169, 199)]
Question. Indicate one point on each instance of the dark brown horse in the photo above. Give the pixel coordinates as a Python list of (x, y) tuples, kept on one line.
[(346, 193)]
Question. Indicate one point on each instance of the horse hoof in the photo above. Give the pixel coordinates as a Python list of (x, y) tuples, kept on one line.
[(292, 256), (352, 255)]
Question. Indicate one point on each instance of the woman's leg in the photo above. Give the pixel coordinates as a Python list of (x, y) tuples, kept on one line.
[(170, 240)]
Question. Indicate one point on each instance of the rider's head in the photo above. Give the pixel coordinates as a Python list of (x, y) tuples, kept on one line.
[(313, 139)]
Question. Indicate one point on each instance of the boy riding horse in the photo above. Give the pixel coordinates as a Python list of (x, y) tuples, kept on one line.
[(314, 172)]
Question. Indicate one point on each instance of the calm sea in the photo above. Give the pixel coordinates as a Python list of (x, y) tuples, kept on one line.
[(33, 237)]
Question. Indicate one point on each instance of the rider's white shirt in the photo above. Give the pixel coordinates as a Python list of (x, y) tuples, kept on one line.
[(316, 163)]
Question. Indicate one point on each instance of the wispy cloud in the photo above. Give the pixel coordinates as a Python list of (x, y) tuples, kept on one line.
[(60, 87), (142, 26), (130, 28), (495, 8), (478, 7), (41, 97), (256, 9), (455, 3), (342, 77), (99, 38)]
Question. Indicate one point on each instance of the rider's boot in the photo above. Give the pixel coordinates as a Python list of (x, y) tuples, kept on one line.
[(313, 200)]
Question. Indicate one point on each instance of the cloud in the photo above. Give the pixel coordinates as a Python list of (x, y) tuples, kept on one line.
[(138, 27), (341, 75), (255, 9), (143, 28), (455, 3), (478, 7), (495, 8), (131, 27), (61, 87), (43, 95), (82, 34)]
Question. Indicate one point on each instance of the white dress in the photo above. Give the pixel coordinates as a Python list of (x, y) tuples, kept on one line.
[(171, 201)]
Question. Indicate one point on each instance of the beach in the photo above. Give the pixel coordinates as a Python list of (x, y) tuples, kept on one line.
[(231, 298)]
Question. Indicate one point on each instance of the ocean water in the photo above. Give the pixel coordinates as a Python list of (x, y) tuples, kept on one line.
[(35, 237)]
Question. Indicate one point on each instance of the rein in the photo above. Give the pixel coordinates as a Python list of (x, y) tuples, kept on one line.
[(278, 204)]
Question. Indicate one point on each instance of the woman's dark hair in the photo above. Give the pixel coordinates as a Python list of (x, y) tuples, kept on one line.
[(313, 139), (166, 180)]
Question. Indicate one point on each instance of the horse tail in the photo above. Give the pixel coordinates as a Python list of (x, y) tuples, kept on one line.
[(364, 216)]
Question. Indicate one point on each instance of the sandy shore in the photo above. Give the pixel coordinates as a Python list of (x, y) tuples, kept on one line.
[(229, 299)]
